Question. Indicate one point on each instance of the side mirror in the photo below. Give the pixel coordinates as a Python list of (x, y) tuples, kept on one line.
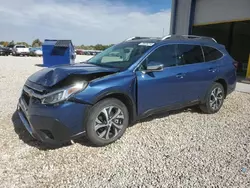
[(154, 67)]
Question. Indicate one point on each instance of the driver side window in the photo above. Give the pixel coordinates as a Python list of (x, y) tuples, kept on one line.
[(165, 55)]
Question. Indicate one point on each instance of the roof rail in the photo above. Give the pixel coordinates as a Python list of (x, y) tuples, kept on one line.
[(187, 37), (199, 37), (131, 38), (138, 38), (166, 37)]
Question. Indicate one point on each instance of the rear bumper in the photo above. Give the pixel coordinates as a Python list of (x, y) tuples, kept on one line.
[(53, 125), (231, 86), (22, 53)]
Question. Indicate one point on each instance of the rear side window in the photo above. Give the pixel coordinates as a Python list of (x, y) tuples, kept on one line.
[(189, 54), (211, 54)]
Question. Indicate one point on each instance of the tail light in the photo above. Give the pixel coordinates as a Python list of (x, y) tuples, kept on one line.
[(236, 64)]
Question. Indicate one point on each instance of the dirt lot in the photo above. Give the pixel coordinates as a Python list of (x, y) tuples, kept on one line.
[(178, 149)]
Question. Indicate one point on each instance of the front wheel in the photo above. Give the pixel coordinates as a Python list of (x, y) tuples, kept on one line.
[(214, 99), (107, 122)]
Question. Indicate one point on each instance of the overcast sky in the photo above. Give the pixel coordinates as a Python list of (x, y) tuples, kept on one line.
[(83, 21)]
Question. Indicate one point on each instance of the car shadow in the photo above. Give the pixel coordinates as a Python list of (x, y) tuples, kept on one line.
[(85, 142), (24, 135), (40, 65)]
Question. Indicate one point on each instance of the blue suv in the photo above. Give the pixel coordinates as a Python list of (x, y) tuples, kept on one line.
[(129, 81)]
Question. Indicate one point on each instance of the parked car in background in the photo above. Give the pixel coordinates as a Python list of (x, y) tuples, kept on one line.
[(4, 51), (79, 52), (127, 82), (87, 52), (36, 51), (20, 50), (10, 47)]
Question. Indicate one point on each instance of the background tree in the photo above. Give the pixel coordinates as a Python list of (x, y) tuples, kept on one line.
[(99, 47), (36, 43), (102, 47), (4, 43), (23, 43), (96, 47), (12, 43)]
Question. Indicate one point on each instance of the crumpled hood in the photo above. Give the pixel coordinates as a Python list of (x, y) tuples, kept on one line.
[(48, 77)]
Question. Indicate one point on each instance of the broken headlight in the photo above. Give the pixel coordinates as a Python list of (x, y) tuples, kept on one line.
[(63, 94)]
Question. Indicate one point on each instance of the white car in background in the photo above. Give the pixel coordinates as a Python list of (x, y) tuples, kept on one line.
[(36, 51), (20, 50)]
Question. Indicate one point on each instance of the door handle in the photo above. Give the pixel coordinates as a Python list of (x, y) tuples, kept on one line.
[(212, 70), (180, 75)]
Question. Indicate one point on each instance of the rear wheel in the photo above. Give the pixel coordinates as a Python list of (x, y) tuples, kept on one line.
[(107, 122), (214, 99)]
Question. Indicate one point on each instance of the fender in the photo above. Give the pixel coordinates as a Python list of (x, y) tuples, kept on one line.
[(129, 101), (203, 98)]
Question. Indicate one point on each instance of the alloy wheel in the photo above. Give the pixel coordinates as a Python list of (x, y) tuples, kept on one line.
[(109, 122), (216, 98)]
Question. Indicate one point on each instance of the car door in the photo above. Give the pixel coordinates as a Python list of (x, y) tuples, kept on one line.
[(161, 89), (198, 73)]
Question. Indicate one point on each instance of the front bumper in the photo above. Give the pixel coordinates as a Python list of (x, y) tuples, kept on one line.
[(53, 124), (4, 53)]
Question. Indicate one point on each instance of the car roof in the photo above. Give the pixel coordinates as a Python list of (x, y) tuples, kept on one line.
[(176, 39)]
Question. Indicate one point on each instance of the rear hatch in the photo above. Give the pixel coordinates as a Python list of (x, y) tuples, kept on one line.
[(22, 49)]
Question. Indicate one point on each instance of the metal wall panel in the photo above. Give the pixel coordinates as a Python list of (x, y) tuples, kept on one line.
[(216, 11), (181, 16)]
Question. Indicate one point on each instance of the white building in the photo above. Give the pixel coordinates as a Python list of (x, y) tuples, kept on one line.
[(228, 21)]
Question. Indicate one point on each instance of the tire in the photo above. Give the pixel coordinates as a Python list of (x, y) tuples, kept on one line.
[(214, 99), (97, 125)]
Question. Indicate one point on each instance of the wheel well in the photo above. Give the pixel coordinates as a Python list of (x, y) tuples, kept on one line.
[(125, 100), (224, 84)]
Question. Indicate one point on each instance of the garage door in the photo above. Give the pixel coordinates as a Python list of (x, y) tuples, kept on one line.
[(217, 11)]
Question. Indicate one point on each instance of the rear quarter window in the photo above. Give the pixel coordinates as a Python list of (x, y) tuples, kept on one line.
[(211, 54)]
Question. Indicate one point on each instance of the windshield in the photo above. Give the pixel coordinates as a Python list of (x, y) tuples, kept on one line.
[(122, 55)]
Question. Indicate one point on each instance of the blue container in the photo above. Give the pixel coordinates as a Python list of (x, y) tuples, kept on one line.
[(58, 52)]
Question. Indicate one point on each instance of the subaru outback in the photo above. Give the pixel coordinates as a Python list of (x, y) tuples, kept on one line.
[(129, 81)]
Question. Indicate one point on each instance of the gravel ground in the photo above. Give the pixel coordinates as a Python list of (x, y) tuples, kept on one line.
[(179, 149)]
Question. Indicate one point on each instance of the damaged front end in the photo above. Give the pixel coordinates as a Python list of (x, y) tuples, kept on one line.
[(57, 95), (49, 77), (55, 85), (48, 107)]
